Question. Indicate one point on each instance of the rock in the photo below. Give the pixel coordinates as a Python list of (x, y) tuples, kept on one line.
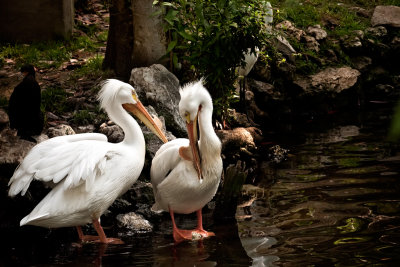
[(262, 71), (135, 223), (237, 119), (386, 15), (114, 133), (331, 55), (86, 129), (395, 42), (264, 91), (140, 192), (359, 34), (332, 80), (253, 111), (352, 43), (361, 12), (13, 149), (277, 154), (290, 29), (52, 116), (3, 118), (239, 138), (283, 46), (362, 63), (286, 70), (158, 87), (60, 130), (311, 43), (377, 32), (317, 32)]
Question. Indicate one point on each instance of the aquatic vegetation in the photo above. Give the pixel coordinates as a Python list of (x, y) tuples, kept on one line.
[(352, 225)]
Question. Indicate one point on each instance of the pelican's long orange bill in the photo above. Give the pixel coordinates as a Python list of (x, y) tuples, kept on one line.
[(193, 138), (141, 113)]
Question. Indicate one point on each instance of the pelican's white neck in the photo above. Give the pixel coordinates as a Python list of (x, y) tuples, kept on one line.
[(209, 144), (133, 132)]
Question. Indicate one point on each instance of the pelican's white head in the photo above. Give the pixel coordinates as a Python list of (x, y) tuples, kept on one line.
[(115, 94), (194, 96)]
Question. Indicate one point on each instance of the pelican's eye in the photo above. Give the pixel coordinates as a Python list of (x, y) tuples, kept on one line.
[(187, 117), (135, 97)]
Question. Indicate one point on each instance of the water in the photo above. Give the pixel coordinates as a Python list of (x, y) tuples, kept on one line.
[(335, 201)]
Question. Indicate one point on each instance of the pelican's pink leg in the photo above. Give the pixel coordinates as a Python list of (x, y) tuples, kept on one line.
[(85, 238), (102, 236), (179, 235), (200, 228)]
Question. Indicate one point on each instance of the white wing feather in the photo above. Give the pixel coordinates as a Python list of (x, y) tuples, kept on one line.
[(56, 159), (166, 159)]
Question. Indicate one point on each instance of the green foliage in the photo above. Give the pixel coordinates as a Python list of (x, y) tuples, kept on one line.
[(102, 36), (83, 117), (92, 68), (54, 99), (211, 38), (53, 53)]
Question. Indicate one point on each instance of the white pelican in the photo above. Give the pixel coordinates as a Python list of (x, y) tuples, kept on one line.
[(251, 57), (88, 173), (185, 174)]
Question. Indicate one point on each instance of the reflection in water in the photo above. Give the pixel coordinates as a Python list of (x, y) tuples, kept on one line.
[(34, 246), (335, 201), (257, 248)]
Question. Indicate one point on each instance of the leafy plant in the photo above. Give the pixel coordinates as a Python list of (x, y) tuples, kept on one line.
[(211, 37), (54, 99)]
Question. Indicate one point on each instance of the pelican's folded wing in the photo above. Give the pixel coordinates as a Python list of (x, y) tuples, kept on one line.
[(165, 160), (75, 158)]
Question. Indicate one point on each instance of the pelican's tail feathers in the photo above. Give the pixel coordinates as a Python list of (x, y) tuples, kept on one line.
[(28, 219), (157, 209)]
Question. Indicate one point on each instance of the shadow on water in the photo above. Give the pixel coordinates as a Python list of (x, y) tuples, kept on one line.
[(335, 201)]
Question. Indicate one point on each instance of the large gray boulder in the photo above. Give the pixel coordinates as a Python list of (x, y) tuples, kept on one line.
[(14, 149), (158, 87), (387, 16), (332, 80)]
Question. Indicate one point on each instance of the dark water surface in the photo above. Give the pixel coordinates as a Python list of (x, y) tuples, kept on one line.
[(335, 201)]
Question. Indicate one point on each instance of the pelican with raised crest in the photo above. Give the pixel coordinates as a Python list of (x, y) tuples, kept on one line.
[(185, 173)]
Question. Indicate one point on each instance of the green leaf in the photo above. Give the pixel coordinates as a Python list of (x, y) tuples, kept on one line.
[(186, 36), (175, 60), (168, 4), (171, 45)]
